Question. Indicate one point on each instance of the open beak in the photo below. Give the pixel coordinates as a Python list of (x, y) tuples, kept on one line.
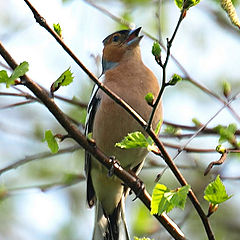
[(133, 38)]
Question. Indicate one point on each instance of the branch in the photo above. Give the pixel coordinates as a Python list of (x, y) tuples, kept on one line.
[(203, 126), (123, 175), (17, 104), (49, 186), (34, 157), (72, 130), (218, 162), (182, 69), (198, 150), (29, 96), (164, 66), (194, 128)]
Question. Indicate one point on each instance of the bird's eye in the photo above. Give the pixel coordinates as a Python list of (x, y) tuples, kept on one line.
[(115, 38)]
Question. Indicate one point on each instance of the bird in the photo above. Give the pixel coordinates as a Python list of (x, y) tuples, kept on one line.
[(124, 73)]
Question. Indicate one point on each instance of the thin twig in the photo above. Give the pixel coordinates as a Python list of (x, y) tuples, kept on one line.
[(164, 66), (203, 126), (29, 96), (218, 162), (17, 104), (38, 156), (49, 186), (198, 150), (195, 128)]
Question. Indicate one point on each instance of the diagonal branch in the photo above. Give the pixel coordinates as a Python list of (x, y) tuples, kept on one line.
[(135, 115), (74, 132)]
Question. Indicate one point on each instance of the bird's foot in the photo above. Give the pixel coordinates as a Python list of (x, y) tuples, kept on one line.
[(140, 188), (113, 162)]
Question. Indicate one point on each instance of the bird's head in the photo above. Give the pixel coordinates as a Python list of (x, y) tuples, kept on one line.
[(120, 44)]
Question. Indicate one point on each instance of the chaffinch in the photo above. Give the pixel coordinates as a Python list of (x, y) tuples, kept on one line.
[(126, 75)]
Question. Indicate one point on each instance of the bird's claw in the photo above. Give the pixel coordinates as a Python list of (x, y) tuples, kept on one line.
[(113, 161), (141, 188)]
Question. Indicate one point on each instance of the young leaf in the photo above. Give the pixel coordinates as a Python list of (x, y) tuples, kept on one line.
[(190, 3), (3, 76), (172, 130), (133, 140), (156, 49), (57, 29), (215, 192), (174, 79), (157, 130), (180, 196), (137, 139), (164, 199), (51, 141), (89, 136), (65, 79), (220, 149), (149, 98), (226, 89), (196, 122), (186, 4), (179, 3), (19, 71), (227, 133)]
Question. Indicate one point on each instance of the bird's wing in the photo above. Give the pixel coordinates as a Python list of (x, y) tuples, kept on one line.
[(91, 112)]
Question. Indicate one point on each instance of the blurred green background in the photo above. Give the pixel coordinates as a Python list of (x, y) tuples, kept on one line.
[(34, 204)]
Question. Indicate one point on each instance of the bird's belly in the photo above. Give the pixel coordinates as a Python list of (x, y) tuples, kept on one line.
[(116, 125)]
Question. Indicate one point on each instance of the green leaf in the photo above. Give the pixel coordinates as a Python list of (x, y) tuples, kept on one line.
[(19, 71), (157, 130), (133, 140), (180, 196), (164, 199), (156, 49), (190, 3), (3, 76), (196, 122), (179, 3), (149, 98), (57, 29), (221, 149), (51, 141), (137, 139), (226, 89), (65, 79), (174, 79), (215, 192), (89, 136), (186, 4), (172, 130), (227, 133)]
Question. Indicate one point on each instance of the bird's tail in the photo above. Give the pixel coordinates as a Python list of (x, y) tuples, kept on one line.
[(110, 227)]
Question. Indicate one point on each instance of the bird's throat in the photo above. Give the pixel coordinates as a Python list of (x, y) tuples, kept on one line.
[(107, 65)]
